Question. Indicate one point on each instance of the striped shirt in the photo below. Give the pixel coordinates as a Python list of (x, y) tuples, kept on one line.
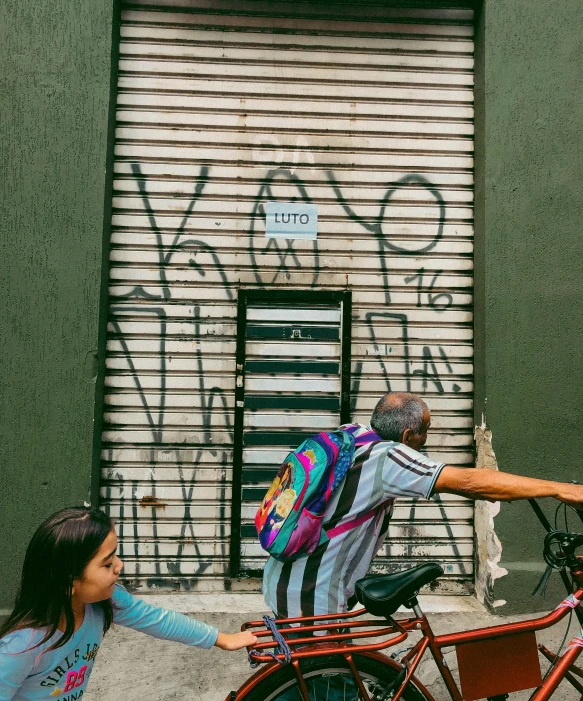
[(324, 581)]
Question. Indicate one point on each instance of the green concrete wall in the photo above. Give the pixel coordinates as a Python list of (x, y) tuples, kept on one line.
[(55, 88), (55, 136), (529, 286)]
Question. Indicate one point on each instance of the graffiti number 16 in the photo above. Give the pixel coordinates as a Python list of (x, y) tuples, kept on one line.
[(433, 300)]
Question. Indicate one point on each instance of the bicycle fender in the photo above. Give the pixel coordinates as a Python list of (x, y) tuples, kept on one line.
[(269, 669), (254, 679)]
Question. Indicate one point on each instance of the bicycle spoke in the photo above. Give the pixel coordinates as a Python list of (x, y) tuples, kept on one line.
[(336, 683), (338, 687)]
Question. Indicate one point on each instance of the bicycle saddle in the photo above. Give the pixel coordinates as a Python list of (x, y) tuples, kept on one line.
[(383, 594)]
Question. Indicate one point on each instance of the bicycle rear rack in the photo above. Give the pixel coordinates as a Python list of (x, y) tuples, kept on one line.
[(319, 635)]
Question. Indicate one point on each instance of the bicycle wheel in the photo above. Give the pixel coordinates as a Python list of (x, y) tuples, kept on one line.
[(329, 678)]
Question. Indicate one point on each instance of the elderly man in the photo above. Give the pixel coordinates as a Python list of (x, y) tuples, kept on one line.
[(323, 582)]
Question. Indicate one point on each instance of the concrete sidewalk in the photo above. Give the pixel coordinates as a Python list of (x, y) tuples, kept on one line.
[(132, 666)]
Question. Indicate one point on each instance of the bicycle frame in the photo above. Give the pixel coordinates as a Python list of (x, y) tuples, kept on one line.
[(340, 628), (437, 643)]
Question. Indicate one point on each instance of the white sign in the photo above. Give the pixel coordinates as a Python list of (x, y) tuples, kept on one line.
[(291, 220)]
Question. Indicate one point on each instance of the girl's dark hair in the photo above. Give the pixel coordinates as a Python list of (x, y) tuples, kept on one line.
[(57, 554)]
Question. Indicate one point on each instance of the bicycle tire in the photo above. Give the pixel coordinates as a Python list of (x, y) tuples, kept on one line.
[(373, 672)]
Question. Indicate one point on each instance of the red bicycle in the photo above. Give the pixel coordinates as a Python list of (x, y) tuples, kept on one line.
[(332, 657)]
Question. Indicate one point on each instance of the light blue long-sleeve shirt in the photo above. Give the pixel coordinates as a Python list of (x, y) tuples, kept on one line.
[(63, 673)]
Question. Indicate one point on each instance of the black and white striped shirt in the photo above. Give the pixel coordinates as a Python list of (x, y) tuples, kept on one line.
[(324, 581)]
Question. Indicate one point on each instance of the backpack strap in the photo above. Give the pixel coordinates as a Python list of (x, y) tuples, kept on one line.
[(354, 523), (368, 437), (364, 438)]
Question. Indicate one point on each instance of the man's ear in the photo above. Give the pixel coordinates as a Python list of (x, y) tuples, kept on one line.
[(407, 433)]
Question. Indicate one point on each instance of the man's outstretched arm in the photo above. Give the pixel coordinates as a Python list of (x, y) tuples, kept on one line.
[(479, 483)]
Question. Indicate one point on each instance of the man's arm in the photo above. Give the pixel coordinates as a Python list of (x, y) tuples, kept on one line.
[(491, 485)]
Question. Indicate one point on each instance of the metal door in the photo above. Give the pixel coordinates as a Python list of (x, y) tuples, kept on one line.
[(293, 380)]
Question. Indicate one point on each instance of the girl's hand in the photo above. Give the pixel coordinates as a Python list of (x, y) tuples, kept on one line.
[(235, 641)]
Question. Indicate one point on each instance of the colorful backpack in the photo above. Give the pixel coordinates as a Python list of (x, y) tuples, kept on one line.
[(289, 520)]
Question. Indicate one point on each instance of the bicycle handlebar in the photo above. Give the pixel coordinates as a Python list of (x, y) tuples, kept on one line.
[(543, 519), (548, 540), (560, 547)]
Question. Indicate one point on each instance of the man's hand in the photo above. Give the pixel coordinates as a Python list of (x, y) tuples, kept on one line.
[(235, 641), (571, 494), (491, 485)]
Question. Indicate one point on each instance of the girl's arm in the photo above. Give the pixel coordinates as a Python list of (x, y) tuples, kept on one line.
[(170, 625)]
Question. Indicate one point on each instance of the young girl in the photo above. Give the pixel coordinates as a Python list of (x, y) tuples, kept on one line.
[(68, 599)]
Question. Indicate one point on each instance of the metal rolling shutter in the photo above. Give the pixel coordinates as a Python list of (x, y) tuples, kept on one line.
[(363, 109)]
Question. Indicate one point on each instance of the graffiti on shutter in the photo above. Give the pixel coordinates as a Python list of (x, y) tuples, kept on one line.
[(364, 110)]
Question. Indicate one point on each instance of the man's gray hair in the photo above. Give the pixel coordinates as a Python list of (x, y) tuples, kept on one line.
[(395, 412)]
